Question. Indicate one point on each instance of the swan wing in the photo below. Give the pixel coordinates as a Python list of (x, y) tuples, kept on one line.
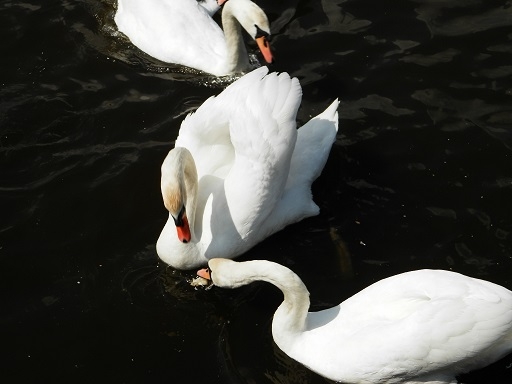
[(263, 132), (414, 324), (314, 141), (219, 127), (206, 132), (180, 32)]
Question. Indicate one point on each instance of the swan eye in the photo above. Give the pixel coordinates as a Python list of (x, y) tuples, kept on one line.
[(261, 33), (178, 221)]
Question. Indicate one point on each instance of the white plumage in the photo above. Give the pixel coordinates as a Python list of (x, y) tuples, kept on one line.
[(424, 326), (183, 32), (254, 169)]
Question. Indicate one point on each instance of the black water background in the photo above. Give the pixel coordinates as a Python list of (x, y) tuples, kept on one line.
[(420, 177)]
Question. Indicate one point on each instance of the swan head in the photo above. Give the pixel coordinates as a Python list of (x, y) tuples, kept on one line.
[(179, 187), (254, 20), (225, 273), (262, 39)]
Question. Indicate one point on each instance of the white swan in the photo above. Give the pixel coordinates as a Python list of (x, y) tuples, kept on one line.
[(183, 32), (240, 170), (423, 326), (211, 6)]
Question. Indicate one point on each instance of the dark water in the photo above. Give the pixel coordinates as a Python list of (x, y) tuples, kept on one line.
[(419, 177)]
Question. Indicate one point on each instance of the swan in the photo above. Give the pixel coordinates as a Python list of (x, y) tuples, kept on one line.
[(240, 170), (423, 326), (183, 32), (211, 6)]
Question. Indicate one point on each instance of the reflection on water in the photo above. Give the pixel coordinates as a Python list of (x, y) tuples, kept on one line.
[(419, 177), (460, 18)]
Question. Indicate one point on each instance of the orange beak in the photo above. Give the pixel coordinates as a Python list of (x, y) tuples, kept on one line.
[(184, 230), (264, 47), (204, 273)]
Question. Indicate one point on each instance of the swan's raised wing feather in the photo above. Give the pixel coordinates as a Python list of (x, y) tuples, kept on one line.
[(205, 133), (263, 134), (312, 148), (309, 156)]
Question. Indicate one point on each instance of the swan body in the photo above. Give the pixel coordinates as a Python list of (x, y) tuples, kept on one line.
[(424, 326), (240, 170), (183, 32), (211, 6)]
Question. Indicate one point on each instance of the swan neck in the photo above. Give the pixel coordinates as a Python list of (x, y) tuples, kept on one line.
[(189, 173), (291, 315), (179, 180), (237, 57)]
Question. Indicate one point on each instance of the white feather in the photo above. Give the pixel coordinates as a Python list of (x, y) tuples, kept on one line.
[(424, 326), (183, 31), (251, 182)]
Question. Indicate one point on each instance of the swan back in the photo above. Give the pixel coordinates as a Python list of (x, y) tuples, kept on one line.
[(180, 32), (183, 32), (417, 324)]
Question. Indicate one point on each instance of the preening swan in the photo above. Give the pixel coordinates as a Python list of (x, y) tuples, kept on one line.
[(240, 169), (183, 32), (423, 326)]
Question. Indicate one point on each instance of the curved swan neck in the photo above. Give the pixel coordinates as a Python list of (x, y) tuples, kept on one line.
[(237, 58), (179, 183), (291, 315)]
